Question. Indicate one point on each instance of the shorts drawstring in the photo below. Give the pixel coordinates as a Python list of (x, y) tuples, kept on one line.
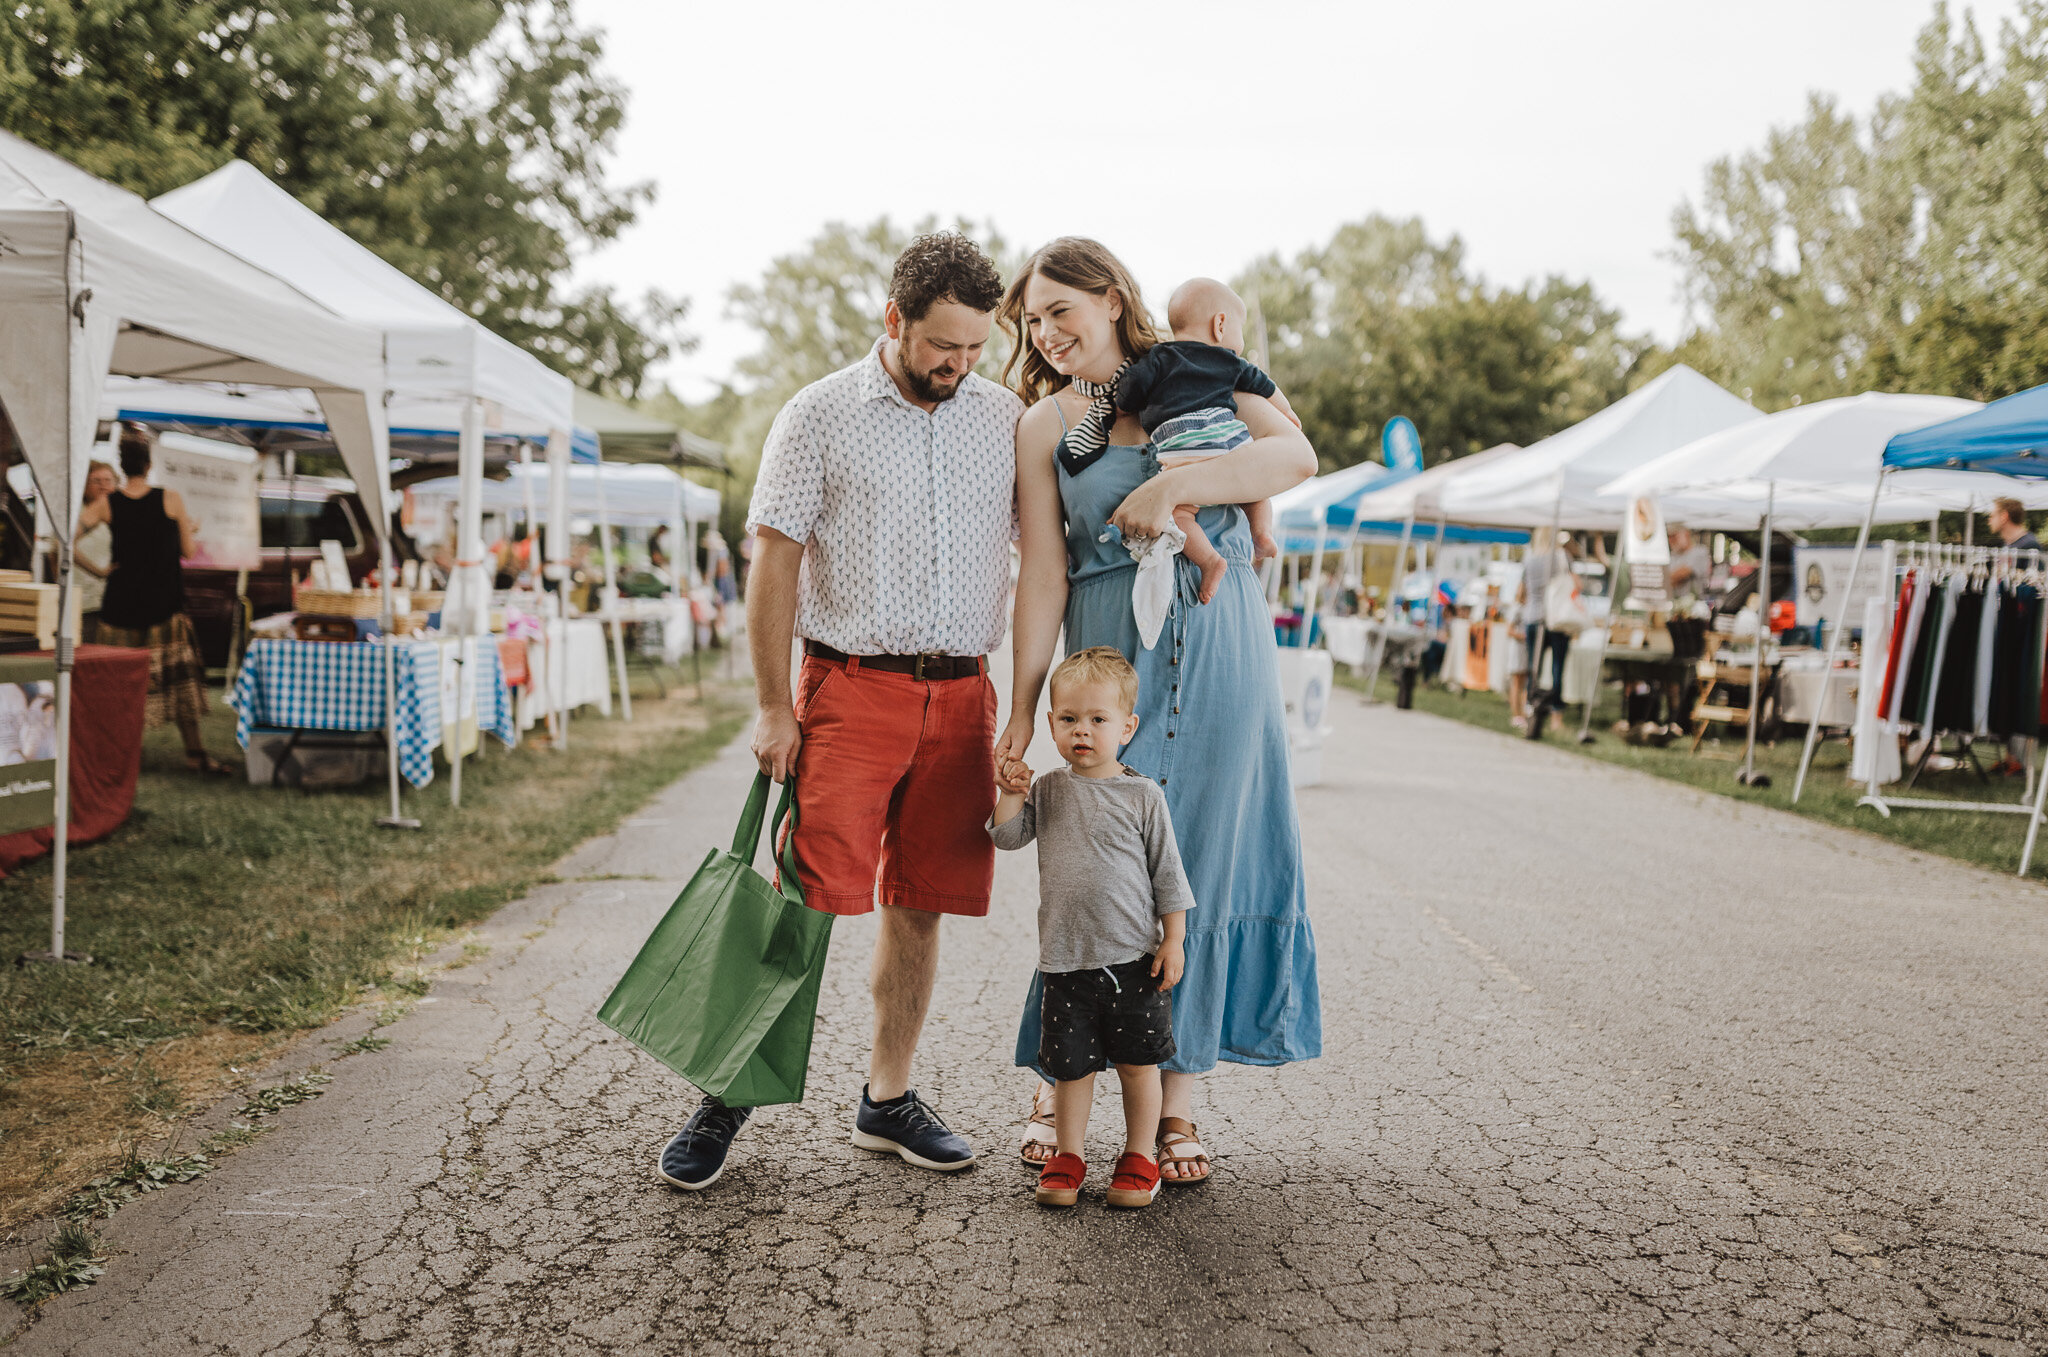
[(1113, 980)]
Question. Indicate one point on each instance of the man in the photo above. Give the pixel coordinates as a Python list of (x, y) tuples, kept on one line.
[(2009, 521), (1686, 576), (884, 511)]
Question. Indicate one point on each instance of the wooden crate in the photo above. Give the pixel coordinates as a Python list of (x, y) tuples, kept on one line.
[(338, 602), (28, 609)]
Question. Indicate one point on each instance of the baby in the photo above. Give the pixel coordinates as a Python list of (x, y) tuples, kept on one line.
[(1112, 919), (1181, 391)]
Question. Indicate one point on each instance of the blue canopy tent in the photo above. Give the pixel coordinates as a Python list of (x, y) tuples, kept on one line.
[(1300, 541), (2008, 437)]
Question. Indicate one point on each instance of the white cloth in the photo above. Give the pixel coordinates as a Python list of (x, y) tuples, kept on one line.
[(1152, 591), (907, 517), (96, 546)]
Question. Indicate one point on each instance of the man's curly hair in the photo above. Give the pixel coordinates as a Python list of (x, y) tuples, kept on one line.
[(944, 266)]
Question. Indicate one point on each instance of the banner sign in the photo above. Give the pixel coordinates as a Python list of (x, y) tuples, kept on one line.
[(1646, 543), (1821, 573), (1401, 446), (28, 742), (217, 481)]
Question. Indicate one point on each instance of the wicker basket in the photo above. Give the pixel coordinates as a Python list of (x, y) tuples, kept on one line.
[(424, 602), (339, 602)]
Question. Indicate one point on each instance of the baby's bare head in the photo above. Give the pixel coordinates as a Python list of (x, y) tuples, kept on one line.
[(1207, 312)]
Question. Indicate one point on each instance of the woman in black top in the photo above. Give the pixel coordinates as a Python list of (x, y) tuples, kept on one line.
[(145, 598)]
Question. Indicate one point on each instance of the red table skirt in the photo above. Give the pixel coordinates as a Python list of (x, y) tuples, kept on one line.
[(108, 685)]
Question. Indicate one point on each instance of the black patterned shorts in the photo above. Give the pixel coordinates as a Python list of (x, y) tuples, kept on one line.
[(1090, 1020)]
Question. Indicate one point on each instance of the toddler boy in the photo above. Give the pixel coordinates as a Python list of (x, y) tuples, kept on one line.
[(1182, 392), (1112, 902)]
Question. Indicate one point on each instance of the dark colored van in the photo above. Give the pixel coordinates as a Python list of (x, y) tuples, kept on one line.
[(297, 516)]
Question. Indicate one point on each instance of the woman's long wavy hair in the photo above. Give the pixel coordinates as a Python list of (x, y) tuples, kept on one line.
[(1079, 263)]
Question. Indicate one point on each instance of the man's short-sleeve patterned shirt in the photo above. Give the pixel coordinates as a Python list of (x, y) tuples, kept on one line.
[(907, 517)]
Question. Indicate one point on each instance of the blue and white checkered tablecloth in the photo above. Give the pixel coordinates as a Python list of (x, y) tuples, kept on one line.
[(325, 685)]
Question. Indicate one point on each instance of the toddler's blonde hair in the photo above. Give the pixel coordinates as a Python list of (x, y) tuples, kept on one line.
[(1100, 664)]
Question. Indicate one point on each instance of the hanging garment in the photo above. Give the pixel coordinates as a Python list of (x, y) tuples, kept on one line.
[(1954, 706), (2016, 680), (1901, 624), (1937, 663), (1987, 636), (1926, 640)]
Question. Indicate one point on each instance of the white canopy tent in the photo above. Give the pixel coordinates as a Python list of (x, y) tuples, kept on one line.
[(94, 281), (1814, 466), (445, 370), (1559, 481), (643, 494)]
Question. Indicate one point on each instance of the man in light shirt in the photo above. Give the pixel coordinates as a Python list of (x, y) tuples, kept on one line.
[(883, 513)]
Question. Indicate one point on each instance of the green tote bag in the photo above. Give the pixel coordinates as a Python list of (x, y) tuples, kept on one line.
[(725, 990)]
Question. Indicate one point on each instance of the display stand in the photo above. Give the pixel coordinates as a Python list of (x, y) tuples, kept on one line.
[(1930, 556)]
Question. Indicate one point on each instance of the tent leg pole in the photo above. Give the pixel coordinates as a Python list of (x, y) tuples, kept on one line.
[(451, 732), (396, 819), (1748, 777), (60, 855), (1827, 672), (611, 591), (2034, 821)]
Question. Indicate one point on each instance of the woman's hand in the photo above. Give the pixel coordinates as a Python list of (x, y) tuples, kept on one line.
[(1147, 511), (1015, 739)]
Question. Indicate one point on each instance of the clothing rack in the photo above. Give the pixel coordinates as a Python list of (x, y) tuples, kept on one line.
[(1928, 580)]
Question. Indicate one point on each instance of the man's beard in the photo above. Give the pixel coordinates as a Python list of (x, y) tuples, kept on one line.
[(921, 384)]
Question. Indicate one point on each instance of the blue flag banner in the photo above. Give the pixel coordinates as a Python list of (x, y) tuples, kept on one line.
[(1401, 446)]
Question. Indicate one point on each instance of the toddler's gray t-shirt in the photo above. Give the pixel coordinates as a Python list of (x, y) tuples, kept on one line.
[(1108, 867)]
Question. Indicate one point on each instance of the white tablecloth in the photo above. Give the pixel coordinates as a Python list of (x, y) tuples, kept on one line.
[(581, 674)]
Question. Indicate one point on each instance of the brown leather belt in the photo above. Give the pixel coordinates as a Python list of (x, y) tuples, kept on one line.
[(917, 666)]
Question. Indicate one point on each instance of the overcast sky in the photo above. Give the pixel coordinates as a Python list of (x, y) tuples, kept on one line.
[(1553, 137)]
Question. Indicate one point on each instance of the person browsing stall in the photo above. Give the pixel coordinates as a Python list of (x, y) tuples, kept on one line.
[(1112, 920)]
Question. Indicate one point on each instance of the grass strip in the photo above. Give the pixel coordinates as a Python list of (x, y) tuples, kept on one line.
[(1989, 841), (224, 917)]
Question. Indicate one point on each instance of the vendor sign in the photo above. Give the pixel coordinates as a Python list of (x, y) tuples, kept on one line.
[(1821, 573), (1647, 550), (28, 742), (217, 481)]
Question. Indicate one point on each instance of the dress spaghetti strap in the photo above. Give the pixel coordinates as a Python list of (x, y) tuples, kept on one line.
[(1061, 411)]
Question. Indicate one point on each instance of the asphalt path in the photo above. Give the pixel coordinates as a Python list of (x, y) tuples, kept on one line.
[(1611, 1066)]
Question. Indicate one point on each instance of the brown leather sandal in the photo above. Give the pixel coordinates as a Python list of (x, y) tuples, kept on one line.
[(1179, 1147), (1038, 1129)]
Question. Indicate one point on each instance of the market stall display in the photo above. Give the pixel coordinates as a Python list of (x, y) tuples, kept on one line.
[(107, 689), (2006, 439), (304, 685), (94, 281)]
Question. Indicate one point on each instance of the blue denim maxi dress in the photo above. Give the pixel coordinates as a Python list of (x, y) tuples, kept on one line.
[(1213, 734)]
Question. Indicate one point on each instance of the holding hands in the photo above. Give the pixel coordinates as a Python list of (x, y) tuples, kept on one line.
[(1013, 776)]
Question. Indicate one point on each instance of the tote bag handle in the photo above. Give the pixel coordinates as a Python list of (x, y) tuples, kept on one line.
[(746, 839)]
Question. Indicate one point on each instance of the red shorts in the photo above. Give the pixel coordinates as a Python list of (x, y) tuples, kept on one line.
[(895, 784)]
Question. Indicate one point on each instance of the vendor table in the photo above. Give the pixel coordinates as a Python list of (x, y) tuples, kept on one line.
[(1799, 691), (324, 685), (108, 685), (581, 673)]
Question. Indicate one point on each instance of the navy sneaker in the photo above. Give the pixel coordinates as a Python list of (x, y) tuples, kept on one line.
[(695, 1158), (908, 1128)]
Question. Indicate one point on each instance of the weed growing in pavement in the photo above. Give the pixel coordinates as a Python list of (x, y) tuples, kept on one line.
[(368, 1041), (234, 1137), (76, 1258), (107, 1194), (306, 1087)]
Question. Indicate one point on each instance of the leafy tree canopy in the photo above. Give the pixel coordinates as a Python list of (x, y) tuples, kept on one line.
[(463, 140), (1907, 250), (1385, 321)]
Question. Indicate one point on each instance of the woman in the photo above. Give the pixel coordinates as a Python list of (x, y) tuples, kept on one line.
[(93, 553), (1211, 727), (145, 596)]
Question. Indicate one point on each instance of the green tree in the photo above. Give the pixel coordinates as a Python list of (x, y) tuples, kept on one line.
[(465, 141), (1907, 250), (1385, 321)]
